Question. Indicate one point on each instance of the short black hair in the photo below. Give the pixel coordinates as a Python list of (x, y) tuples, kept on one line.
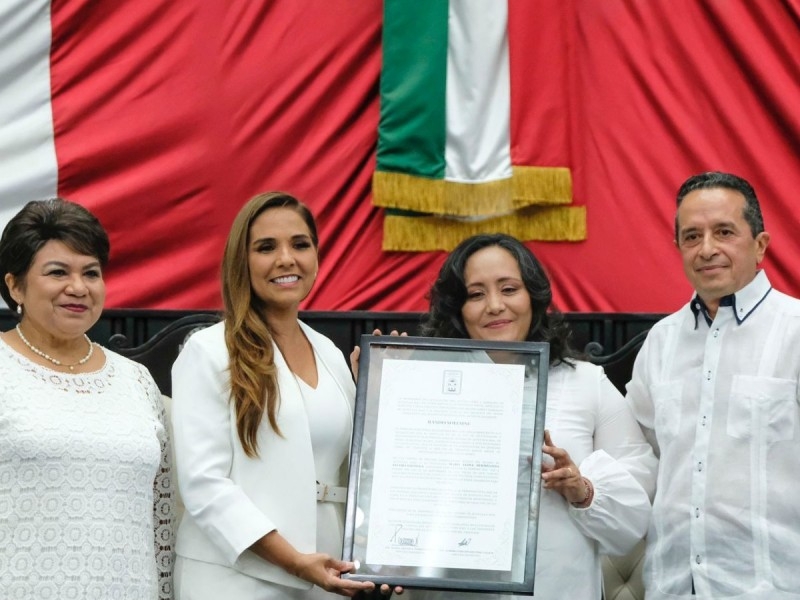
[(37, 223), (718, 179)]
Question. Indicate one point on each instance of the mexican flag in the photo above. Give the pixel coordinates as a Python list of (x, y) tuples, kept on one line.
[(164, 117), (28, 165), (445, 137)]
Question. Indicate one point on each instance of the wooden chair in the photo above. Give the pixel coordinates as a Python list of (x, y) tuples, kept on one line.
[(618, 365), (160, 351)]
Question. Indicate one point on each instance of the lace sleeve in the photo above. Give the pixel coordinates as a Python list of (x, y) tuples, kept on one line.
[(164, 495)]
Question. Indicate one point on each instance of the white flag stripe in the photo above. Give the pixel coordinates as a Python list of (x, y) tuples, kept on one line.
[(478, 111), (28, 166)]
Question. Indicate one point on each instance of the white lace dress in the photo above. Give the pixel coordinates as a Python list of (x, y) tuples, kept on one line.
[(86, 496)]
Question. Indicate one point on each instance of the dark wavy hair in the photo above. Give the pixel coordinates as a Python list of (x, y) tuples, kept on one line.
[(40, 221), (449, 293)]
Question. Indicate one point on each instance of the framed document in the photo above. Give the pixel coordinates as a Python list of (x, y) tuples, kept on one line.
[(445, 468)]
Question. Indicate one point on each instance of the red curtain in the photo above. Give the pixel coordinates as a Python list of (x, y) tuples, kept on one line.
[(169, 115)]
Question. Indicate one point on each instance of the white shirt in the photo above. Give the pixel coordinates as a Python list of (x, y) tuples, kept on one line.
[(588, 417), (720, 402), (86, 495)]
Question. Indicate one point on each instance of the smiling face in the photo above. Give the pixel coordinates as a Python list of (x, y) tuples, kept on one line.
[(498, 306), (720, 254), (282, 258), (62, 294)]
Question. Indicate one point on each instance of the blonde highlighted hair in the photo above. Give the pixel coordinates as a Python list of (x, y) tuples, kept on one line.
[(253, 375)]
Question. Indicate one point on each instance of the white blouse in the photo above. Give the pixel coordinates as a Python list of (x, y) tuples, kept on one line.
[(589, 418), (86, 496), (329, 427)]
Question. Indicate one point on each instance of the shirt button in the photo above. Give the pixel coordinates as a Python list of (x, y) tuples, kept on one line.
[(716, 333), (697, 559), (708, 375), (696, 513), (703, 422), (700, 466)]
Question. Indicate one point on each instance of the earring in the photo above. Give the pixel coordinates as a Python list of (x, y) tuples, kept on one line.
[(19, 309)]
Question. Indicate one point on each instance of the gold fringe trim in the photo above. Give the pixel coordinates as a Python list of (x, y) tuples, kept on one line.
[(541, 186), (527, 186), (424, 234), (420, 194)]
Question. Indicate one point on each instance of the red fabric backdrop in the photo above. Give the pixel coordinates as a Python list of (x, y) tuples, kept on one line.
[(169, 115)]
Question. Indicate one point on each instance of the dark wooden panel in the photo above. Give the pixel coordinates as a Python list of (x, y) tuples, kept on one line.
[(153, 337)]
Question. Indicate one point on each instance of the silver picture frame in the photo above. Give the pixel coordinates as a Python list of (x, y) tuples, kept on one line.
[(445, 465)]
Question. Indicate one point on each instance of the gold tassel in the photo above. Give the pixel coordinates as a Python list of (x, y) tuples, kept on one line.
[(425, 234), (527, 186)]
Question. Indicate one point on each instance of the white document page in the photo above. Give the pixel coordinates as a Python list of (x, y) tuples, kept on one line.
[(447, 449)]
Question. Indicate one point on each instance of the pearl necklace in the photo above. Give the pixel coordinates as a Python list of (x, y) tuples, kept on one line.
[(55, 361)]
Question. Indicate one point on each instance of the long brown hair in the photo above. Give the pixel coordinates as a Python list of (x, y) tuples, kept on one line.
[(253, 375)]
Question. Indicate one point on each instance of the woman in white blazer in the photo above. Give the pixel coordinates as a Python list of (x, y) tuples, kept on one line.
[(262, 415)]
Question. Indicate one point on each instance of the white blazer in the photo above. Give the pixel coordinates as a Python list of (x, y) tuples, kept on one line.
[(233, 500)]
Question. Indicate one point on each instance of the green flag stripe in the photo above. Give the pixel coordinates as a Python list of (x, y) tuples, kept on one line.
[(411, 134)]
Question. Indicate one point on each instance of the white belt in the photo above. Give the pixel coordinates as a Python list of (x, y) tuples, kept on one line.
[(331, 493)]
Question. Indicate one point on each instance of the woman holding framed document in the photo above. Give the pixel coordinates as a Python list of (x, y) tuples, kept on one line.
[(600, 473), (262, 416)]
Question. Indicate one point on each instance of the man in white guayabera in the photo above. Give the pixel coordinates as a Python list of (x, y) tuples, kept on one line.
[(715, 388)]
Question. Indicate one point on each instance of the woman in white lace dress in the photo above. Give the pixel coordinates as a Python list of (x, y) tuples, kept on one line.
[(86, 498)]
